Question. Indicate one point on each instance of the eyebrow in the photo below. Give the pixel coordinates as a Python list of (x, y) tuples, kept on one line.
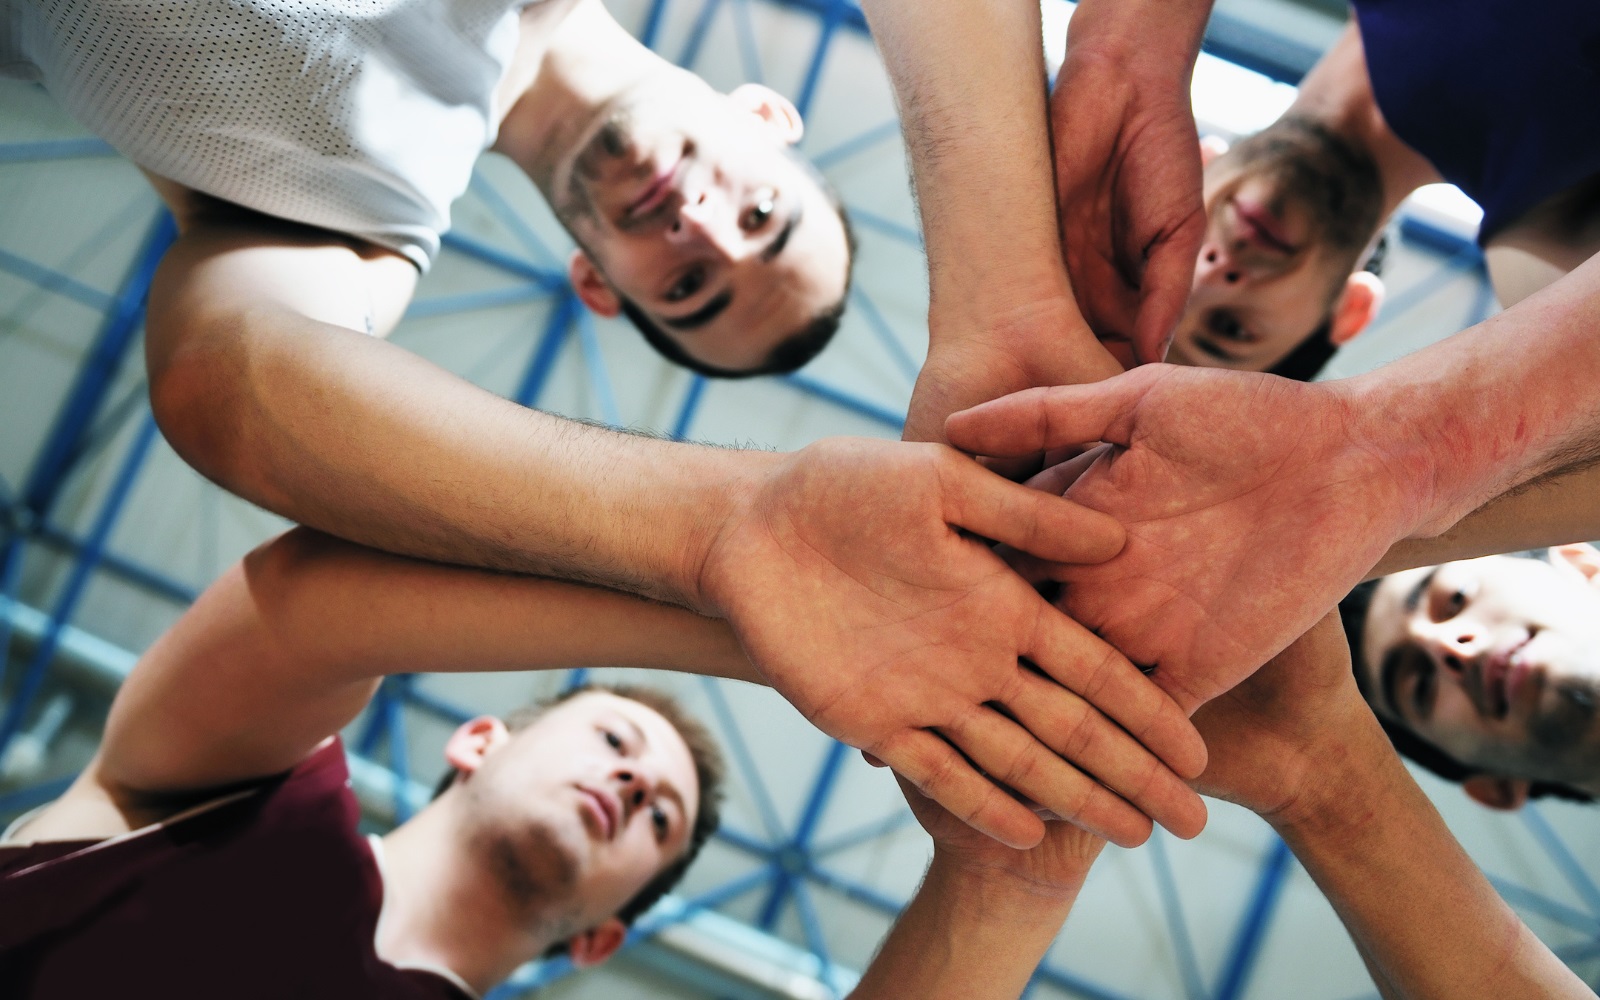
[(705, 314), (719, 303), (1414, 595), (777, 243)]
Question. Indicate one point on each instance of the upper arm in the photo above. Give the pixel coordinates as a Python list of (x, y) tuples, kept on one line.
[(229, 261)]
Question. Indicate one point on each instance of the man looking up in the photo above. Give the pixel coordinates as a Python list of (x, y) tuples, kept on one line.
[(309, 154), (369, 127), (213, 830), (1487, 671)]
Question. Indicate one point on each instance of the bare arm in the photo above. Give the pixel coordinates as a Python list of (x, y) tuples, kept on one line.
[(1253, 505), (969, 80), (1296, 744), (1553, 510), (286, 647), (966, 935), (984, 915), (838, 567), (262, 382)]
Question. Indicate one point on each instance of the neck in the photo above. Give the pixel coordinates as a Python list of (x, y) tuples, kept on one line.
[(1337, 94), (439, 909), (563, 79)]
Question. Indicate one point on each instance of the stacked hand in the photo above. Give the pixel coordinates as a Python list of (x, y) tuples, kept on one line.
[(1251, 504), (1128, 191), (855, 592), (1056, 866)]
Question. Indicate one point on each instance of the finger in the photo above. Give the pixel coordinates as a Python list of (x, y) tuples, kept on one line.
[(1076, 659), (1084, 737), (1012, 756), (871, 760), (1055, 479), (1168, 278), (1049, 527), (942, 774), (1036, 420)]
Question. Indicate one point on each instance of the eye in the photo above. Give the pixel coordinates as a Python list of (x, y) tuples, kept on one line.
[(756, 216), (1445, 602), (612, 740), (688, 283), (659, 818)]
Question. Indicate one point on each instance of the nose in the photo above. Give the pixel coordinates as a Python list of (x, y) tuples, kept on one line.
[(1218, 268), (635, 788), (1454, 644), (707, 219)]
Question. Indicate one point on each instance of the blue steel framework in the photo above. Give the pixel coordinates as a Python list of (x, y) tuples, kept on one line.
[(793, 862)]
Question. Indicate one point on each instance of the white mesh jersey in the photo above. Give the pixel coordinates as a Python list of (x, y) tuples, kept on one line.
[(359, 116)]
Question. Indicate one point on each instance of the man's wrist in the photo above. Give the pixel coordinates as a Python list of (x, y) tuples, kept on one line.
[(1347, 791), (707, 571), (996, 890), (1121, 31)]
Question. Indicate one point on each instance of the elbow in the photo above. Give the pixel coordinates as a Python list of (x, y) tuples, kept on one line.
[(196, 398)]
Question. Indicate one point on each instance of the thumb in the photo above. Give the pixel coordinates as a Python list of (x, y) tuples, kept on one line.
[(1164, 291), (1036, 420)]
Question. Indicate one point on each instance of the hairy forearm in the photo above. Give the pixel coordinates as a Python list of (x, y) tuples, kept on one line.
[(967, 935), (364, 440), (354, 612), (1423, 915), (1157, 36), (970, 82), (1510, 401), (287, 647)]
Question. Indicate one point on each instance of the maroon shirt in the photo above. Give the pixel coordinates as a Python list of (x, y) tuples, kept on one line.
[(273, 895)]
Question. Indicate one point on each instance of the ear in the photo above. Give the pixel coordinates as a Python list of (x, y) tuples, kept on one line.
[(597, 944), (1356, 307), (1581, 556), (1505, 794), (592, 288), (771, 107), (471, 742), (1211, 147)]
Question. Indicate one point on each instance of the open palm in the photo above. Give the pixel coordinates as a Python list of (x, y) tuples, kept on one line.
[(1251, 503), (859, 598)]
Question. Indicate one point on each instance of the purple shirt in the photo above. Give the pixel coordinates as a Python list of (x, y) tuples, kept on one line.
[(1501, 96), (273, 894)]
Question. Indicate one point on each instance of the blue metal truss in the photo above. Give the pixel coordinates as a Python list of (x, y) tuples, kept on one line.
[(793, 862)]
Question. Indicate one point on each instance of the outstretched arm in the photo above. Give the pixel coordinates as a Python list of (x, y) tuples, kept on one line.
[(843, 569), (970, 82), (1296, 744), (286, 647), (984, 915)]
